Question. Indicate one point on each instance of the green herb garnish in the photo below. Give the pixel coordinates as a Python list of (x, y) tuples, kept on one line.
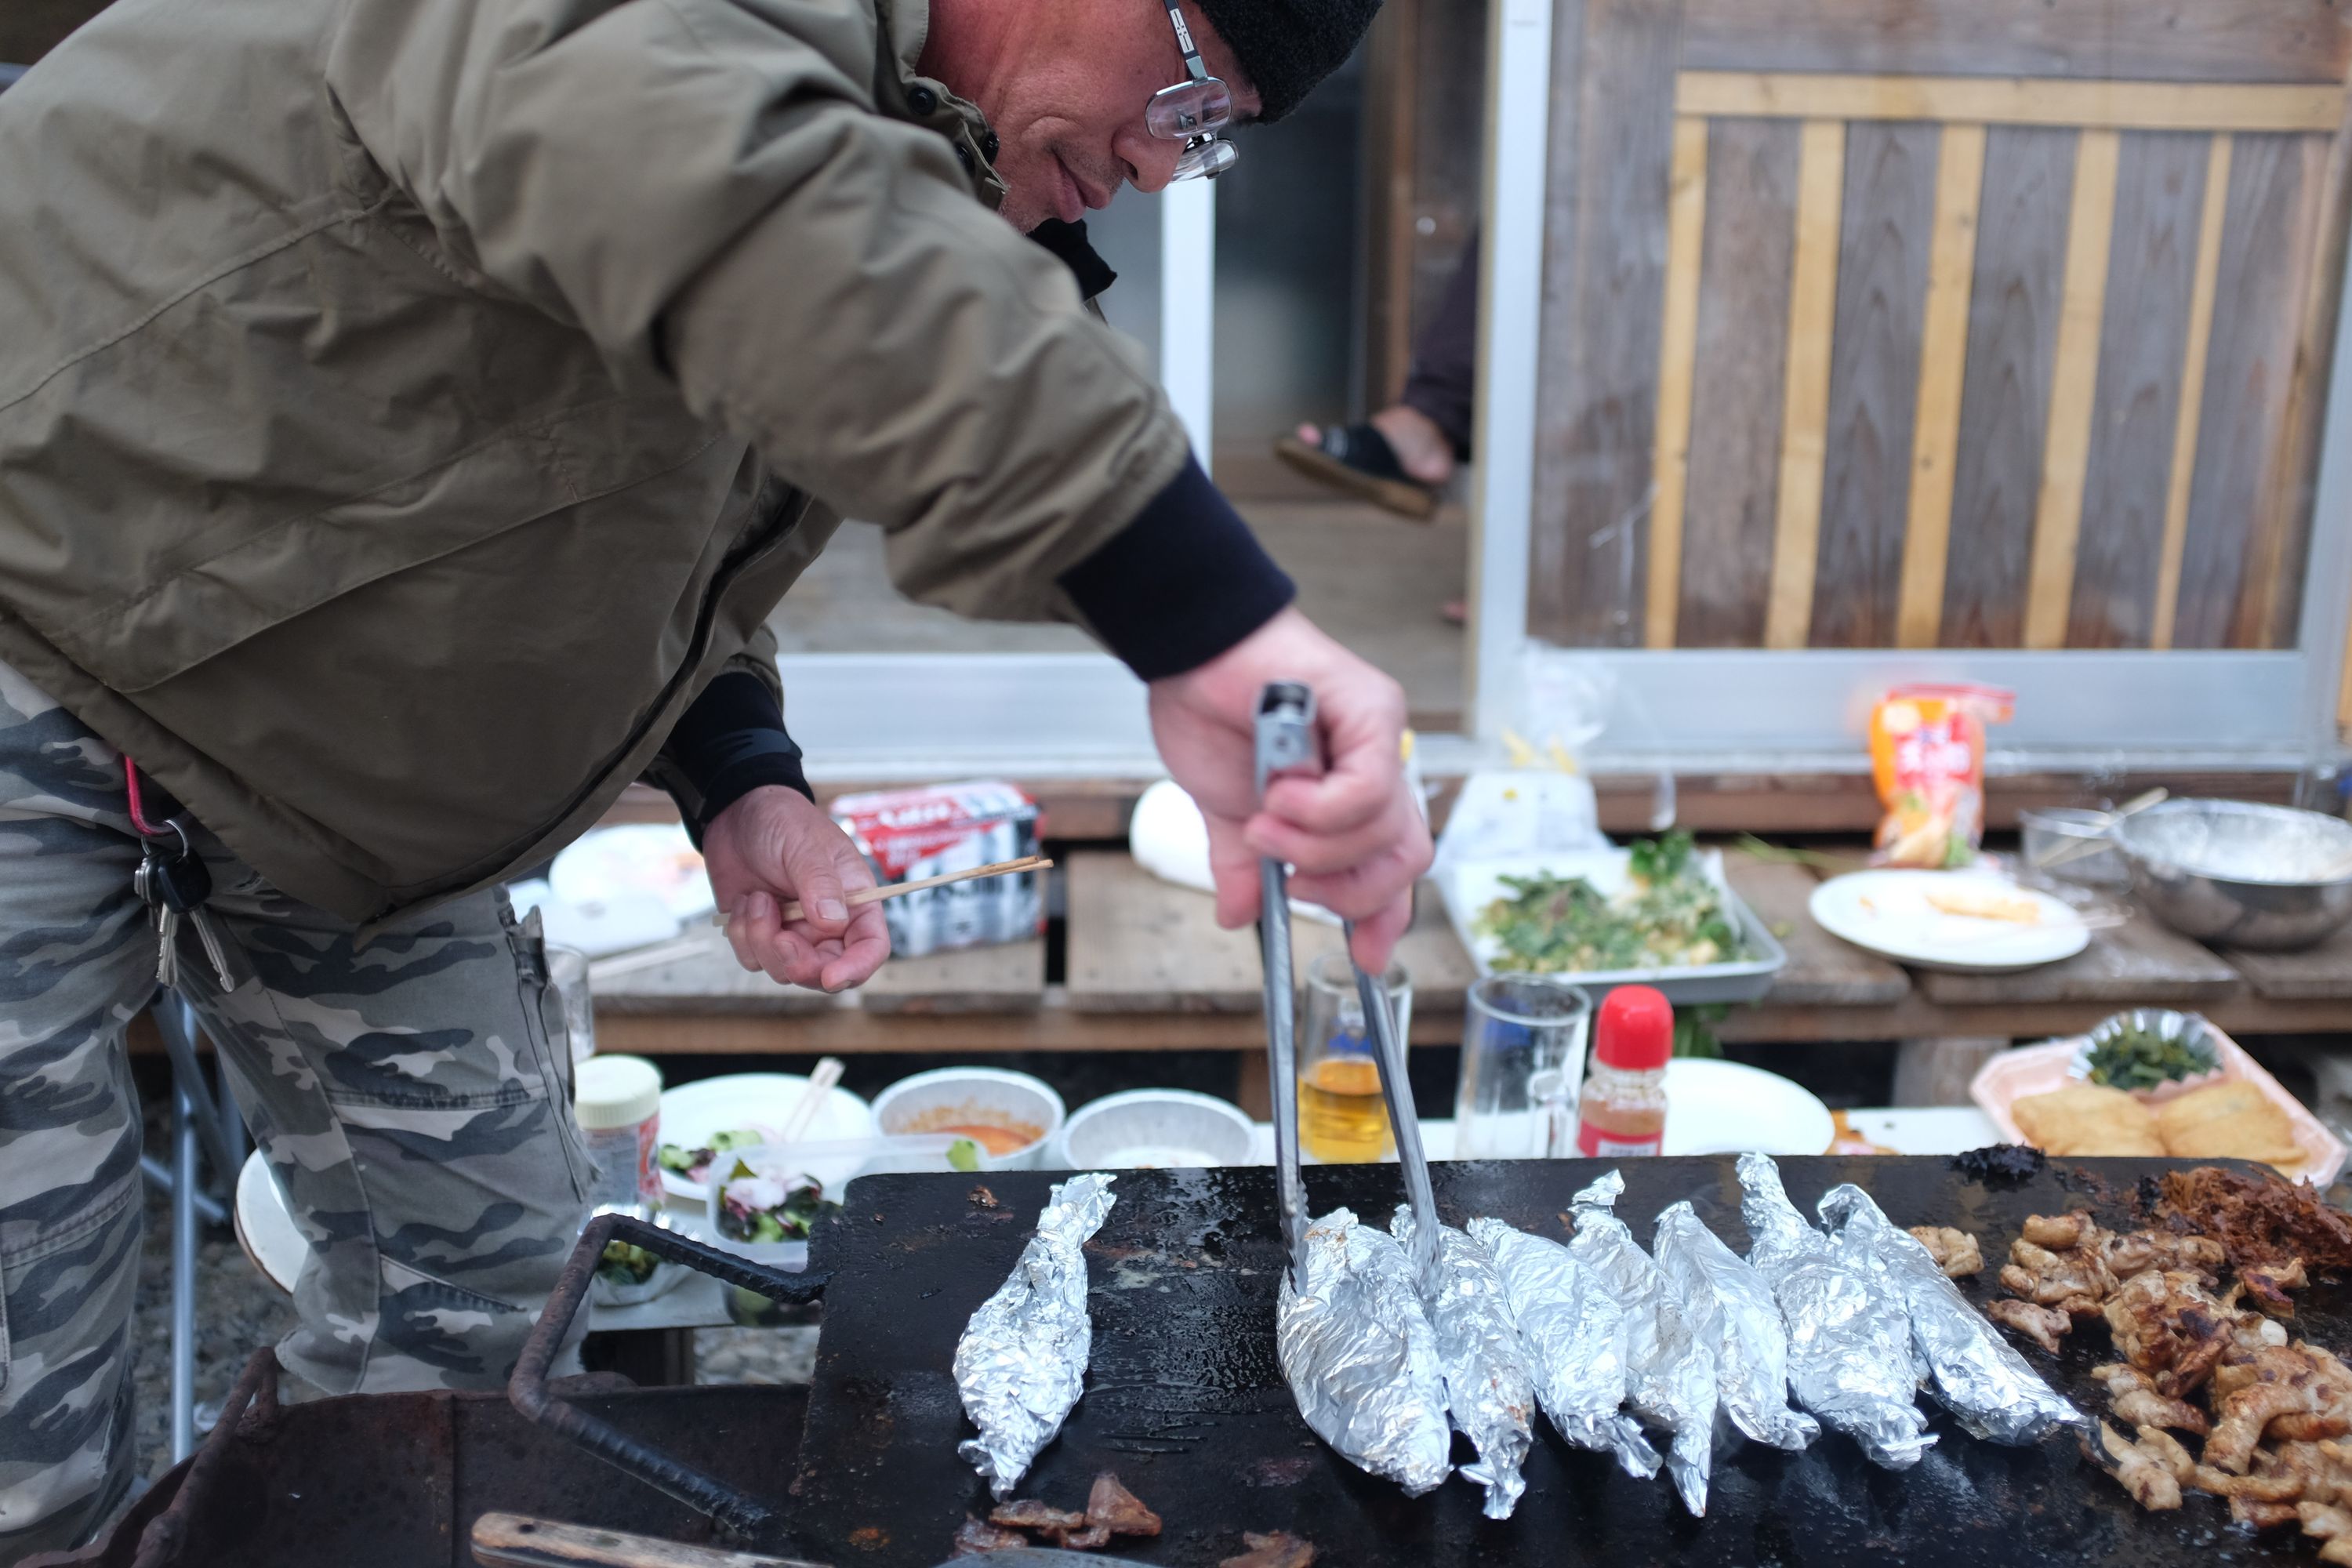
[(1669, 916), (2138, 1057)]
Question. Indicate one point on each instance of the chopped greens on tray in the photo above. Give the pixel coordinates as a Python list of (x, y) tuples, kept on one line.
[(626, 1263), (1667, 916), (2137, 1056), (757, 1206)]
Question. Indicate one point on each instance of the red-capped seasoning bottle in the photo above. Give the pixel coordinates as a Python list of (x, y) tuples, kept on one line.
[(1623, 1108)]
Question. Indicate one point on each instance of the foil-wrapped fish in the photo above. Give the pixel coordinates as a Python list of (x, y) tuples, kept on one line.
[(1980, 1377), (1670, 1373), (1733, 1309), (1360, 1357), (1022, 1361), (1574, 1331), (1489, 1389), (1850, 1357)]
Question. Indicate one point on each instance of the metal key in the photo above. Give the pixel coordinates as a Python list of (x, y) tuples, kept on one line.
[(175, 886)]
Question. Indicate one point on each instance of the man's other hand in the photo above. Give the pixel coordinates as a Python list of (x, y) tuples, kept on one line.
[(770, 848), (1355, 835)]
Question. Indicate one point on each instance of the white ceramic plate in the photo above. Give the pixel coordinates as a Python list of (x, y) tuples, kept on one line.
[(265, 1225), (1724, 1107), (1887, 912), (693, 1112)]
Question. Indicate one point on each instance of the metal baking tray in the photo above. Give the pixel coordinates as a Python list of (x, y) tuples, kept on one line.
[(1472, 885)]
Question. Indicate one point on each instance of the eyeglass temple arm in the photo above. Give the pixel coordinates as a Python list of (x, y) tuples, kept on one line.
[(1185, 42)]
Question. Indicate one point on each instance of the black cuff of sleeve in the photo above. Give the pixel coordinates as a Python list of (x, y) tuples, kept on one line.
[(1182, 583), (731, 741)]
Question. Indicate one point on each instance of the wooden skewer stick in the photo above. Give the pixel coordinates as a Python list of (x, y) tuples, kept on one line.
[(793, 912)]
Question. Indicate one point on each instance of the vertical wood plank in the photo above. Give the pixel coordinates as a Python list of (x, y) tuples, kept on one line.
[(1943, 364), (2074, 386), (1804, 422), (1741, 350), (1883, 267), (2150, 321), (2295, 484), (1604, 283), (1677, 349), (2005, 402), (2215, 203), (2266, 252)]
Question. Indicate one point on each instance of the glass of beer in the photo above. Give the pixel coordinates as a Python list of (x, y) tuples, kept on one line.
[(1341, 1117)]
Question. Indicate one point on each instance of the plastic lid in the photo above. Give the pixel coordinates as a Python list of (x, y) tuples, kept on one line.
[(1636, 1029), (617, 1091)]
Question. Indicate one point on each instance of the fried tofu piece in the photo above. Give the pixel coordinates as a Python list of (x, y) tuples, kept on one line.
[(2087, 1118), (2228, 1120)]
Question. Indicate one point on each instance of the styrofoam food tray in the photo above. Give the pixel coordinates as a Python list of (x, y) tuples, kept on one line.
[(1475, 884), (2039, 1069)]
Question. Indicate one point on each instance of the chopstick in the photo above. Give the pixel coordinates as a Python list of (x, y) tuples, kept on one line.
[(820, 1084), (793, 912)]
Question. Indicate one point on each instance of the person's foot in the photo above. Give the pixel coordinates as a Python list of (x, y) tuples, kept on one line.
[(1422, 448)]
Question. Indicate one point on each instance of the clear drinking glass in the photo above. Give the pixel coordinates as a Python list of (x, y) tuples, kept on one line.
[(1341, 1117), (567, 977), (1522, 1054)]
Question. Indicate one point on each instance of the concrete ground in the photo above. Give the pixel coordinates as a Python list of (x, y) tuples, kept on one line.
[(1375, 581)]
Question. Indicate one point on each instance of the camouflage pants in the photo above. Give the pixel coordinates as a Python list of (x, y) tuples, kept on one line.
[(406, 1093)]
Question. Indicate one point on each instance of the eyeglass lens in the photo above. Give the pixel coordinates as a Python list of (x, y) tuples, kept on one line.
[(1189, 108)]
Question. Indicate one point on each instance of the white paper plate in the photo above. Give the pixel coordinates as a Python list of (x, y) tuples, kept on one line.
[(1724, 1107), (695, 1112), (1887, 912)]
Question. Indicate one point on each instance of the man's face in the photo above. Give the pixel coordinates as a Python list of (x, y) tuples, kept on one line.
[(1065, 97)]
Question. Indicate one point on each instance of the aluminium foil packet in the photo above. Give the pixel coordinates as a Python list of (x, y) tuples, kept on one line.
[(1734, 1310), (1670, 1372), (1574, 1331), (1489, 1388), (1022, 1361), (1979, 1376), (1851, 1362), (1361, 1356)]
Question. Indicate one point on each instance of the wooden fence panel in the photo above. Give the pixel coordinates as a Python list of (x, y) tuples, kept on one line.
[(2232, 537), (1741, 347), (1890, 203), (2029, 177), (2158, 212)]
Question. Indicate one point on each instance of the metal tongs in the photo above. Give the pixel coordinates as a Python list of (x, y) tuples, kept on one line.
[(1286, 747)]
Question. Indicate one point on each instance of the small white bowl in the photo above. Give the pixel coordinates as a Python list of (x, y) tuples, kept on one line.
[(989, 1097), (1146, 1128)]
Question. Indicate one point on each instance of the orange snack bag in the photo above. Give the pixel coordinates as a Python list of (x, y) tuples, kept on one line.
[(1927, 752)]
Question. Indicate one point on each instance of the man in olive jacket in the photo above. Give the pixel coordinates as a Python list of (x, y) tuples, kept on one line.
[(410, 412)]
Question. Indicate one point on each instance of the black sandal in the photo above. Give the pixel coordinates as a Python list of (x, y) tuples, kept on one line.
[(1358, 460)]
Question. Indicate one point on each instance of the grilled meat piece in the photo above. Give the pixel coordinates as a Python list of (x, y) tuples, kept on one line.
[(2144, 1469), (2062, 1231), (2267, 1285), (1093, 1538), (1276, 1549), (1029, 1513), (2261, 1515), (2053, 1279), (2260, 1219), (2138, 1251), (2169, 1326), (1955, 1252), (2134, 1396), (977, 1535), (2297, 1380), (1118, 1509), (2326, 1523), (2043, 1325)]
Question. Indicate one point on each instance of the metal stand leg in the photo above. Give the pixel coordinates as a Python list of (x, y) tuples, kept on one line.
[(184, 1278)]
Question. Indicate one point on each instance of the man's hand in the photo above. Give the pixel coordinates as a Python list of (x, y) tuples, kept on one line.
[(1355, 836), (770, 848)]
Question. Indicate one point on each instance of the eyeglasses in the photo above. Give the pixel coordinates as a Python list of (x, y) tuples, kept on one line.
[(1193, 110)]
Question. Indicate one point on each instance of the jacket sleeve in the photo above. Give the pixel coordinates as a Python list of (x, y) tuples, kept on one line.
[(706, 189)]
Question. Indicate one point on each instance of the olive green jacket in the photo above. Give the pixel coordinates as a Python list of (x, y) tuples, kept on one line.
[(407, 407)]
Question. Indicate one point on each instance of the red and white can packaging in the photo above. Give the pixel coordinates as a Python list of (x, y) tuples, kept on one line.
[(908, 835)]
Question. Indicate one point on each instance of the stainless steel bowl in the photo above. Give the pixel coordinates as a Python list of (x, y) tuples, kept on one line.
[(2244, 875)]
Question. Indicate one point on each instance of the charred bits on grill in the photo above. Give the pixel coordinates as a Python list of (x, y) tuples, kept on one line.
[(1111, 1510)]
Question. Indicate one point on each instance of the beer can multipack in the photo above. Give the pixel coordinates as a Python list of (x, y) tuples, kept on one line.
[(909, 834)]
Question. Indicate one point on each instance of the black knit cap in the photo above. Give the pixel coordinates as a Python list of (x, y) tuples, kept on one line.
[(1286, 47)]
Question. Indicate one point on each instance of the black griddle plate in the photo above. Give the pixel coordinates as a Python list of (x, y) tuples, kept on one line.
[(1185, 1401)]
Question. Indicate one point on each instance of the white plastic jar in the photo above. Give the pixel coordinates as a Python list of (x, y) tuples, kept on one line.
[(619, 1099)]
